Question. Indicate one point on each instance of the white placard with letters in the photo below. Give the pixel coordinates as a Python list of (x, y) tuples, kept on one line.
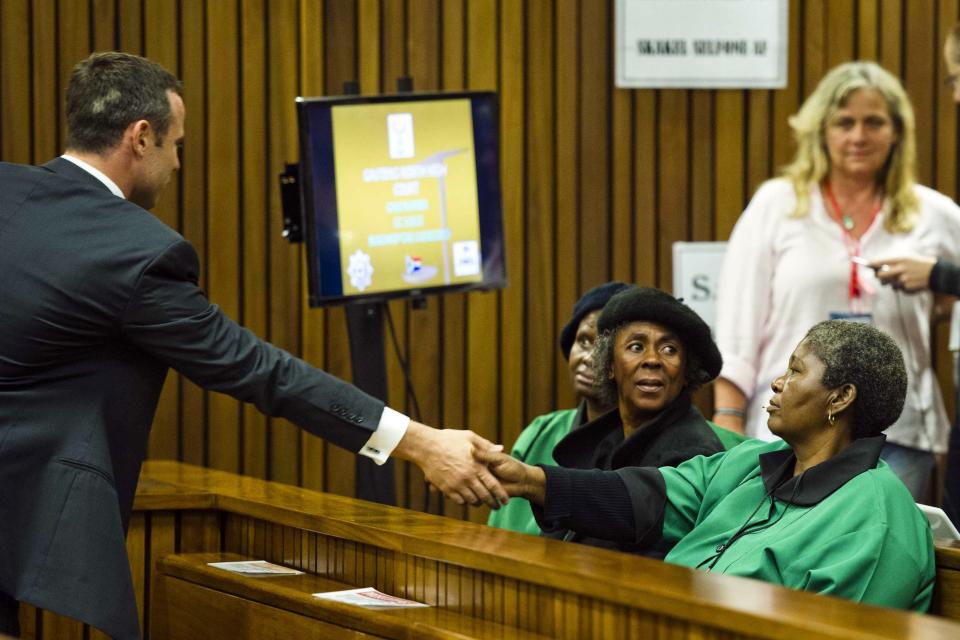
[(696, 270), (701, 43)]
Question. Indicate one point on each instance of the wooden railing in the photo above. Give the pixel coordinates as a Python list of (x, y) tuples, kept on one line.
[(482, 582)]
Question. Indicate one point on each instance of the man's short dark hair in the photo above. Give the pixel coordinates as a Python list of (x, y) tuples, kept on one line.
[(110, 90)]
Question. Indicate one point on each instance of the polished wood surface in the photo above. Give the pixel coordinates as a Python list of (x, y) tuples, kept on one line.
[(294, 593), (946, 598), (493, 577), (598, 182)]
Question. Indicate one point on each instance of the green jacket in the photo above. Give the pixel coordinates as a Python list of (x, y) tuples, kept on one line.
[(848, 527), (845, 527), (535, 446)]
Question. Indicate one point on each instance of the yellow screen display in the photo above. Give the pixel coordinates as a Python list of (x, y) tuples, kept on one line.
[(407, 196)]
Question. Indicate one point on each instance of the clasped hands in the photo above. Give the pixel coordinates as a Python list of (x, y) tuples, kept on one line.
[(468, 468)]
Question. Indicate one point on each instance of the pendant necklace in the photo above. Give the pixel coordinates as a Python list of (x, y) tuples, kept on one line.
[(845, 220)]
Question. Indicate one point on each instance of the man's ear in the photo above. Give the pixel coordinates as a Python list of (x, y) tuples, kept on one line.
[(140, 136)]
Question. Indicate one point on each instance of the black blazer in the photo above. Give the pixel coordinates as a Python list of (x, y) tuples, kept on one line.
[(97, 299)]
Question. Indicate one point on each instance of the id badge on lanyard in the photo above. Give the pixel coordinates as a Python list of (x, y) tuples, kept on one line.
[(857, 290)]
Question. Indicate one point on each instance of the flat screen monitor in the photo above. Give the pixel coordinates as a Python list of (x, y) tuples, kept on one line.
[(400, 195)]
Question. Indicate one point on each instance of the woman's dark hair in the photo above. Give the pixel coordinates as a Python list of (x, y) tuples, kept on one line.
[(108, 91), (858, 354)]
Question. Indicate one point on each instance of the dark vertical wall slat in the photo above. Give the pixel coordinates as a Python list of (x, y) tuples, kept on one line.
[(223, 206), (513, 124), (284, 260), (598, 182), (313, 76), (193, 178), (483, 330), (566, 287), (16, 57), (46, 97), (539, 214), (254, 175), (158, 45)]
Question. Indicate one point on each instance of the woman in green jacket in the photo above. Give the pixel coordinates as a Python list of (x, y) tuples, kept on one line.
[(818, 511)]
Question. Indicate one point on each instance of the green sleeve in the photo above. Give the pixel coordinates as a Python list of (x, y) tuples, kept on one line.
[(868, 565), (729, 439), (686, 486), (533, 446)]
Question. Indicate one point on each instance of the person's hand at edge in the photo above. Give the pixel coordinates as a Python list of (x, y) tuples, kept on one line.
[(518, 479), (910, 274), (448, 459)]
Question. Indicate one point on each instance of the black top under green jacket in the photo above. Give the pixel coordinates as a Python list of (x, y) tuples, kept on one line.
[(675, 435)]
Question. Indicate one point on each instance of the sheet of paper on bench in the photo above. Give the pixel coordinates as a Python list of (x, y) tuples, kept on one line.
[(368, 597), (256, 568)]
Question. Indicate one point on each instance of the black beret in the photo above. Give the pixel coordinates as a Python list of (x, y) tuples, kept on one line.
[(592, 300), (645, 304)]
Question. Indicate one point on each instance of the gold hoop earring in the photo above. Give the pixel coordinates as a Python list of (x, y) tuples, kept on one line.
[(831, 419)]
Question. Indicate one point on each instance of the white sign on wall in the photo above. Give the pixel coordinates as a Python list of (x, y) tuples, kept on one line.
[(696, 270), (701, 43)]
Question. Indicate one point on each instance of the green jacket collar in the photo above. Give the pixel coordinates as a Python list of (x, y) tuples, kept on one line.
[(818, 482)]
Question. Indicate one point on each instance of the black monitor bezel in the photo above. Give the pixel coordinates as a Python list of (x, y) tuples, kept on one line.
[(489, 194)]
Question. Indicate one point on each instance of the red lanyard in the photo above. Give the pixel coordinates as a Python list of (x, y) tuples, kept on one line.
[(852, 243)]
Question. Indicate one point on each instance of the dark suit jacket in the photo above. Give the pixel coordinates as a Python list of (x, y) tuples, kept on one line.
[(97, 299)]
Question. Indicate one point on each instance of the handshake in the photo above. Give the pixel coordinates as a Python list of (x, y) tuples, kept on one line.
[(468, 468)]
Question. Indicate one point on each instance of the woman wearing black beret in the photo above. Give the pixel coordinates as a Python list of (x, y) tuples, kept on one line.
[(651, 353)]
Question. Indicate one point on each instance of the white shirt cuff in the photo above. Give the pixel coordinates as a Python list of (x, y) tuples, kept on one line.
[(393, 425)]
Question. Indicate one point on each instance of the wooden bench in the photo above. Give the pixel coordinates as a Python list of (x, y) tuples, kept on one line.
[(480, 580), (190, 598)]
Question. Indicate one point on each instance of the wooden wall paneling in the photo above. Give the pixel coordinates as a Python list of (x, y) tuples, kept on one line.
[(594, 131), (645, 195), (423, 325), (340, 28), (57, 627), (543, 319), (368, 45), (193, 175), (701, 165), (566, 287), (284, 262), (621, 184), (254, 177), (674, 177), (160, 45), (312, 79), (163, 542), (814, 46), (15, 57), (867, 45), (757, 142), (483, 330), (137, 546), (453, 346), (223, 206), (841, 31), (199, 531), (891, 36), (392, 64), (130, 27), (946, 110), (73, 44), (104, 25), (786, 100), (919, 77), (44, 91), (513, 363), (730, 161)]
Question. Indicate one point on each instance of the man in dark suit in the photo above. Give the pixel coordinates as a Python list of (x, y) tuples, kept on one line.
[(98, 299)]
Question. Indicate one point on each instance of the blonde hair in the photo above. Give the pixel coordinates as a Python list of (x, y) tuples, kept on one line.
[(811, 164)]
